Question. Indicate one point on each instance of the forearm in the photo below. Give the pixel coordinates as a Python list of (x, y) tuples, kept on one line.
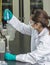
[(25, 58), (19, 26)]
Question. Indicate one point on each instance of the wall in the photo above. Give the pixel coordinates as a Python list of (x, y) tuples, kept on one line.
[(26, 11), (16, 8), (46, 6)]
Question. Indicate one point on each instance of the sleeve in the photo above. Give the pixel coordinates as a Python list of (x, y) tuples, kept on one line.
[(25, 58), (19, 26)]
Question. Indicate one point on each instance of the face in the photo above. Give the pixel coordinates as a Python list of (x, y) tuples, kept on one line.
[(37, 26)]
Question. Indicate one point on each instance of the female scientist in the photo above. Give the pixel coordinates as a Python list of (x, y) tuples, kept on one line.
[(42, 52), (26, 29)]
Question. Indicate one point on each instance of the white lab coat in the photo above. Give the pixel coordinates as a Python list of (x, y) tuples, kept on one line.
[(42, 53)]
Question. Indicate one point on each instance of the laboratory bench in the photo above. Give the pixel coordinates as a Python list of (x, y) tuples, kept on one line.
[(14, 62), (17, 63)]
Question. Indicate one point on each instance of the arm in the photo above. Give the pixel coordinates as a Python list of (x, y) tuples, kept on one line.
[(21, 57), (25, 58), (19, 26)]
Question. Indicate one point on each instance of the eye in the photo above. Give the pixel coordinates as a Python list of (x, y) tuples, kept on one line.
[(36, 23)]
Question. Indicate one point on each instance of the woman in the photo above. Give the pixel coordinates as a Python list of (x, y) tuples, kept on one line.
[(43, 48), (26, 29)]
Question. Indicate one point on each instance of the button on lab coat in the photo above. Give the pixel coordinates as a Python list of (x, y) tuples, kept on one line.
[(43, 48)]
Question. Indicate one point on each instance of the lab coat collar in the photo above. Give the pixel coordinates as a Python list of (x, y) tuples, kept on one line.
[(44, 32)]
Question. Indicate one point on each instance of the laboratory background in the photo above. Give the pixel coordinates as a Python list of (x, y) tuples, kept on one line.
[(14, 41)]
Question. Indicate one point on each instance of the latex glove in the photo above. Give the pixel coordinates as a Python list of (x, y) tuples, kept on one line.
[(9, 56), (7, 15)]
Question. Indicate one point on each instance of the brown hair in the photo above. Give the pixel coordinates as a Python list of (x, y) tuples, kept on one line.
[(38, 13)]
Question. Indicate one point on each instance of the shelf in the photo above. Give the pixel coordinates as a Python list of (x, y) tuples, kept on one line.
[(36, 3), (5, 4)]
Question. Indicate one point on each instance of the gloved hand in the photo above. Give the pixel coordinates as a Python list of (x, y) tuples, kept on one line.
[(7, 15), (9, 56)]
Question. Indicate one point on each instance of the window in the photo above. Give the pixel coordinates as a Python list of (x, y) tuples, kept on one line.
[(36, 4), (7, 4)]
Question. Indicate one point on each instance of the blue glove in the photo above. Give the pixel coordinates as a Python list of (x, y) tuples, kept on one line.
[(7, 15), (9, 56)]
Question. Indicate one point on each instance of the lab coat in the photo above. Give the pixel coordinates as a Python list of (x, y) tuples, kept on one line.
[(42, 53)]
